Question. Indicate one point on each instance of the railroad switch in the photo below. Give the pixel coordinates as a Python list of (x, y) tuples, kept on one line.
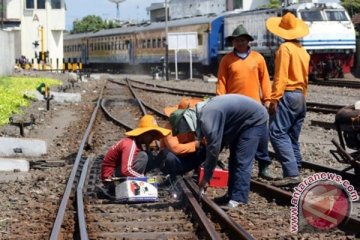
[(21, 123)]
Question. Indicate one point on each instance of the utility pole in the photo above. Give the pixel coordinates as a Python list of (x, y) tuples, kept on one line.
[(167, 42), (42, 43)]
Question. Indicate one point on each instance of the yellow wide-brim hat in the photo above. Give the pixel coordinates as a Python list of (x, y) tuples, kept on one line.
[(184, 104), (148, 123), (287, 27)]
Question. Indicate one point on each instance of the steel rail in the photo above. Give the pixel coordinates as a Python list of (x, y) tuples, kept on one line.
[(136, 97), (80, 201), (237, 231), (108, 114), (64, 201), (204, 221), (318, 167), (338, 83), (195, 93)]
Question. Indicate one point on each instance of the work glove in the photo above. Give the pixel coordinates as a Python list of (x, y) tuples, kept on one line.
[(202, 188)]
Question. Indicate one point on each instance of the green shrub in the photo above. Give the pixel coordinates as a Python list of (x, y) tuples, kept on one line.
[(12, 91)]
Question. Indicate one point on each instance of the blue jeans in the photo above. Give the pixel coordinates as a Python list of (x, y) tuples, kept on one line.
[(285, 127), (262, 153), (178, 165), (242, 153)]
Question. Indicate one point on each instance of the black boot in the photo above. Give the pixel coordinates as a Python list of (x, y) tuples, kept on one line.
[(265, 172)]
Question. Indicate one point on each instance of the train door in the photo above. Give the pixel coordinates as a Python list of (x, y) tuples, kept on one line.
[(131, 51), (84, 55)]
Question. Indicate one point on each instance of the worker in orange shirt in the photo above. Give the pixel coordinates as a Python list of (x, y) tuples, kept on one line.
[(183, 152), (243, 71), (288, 106)]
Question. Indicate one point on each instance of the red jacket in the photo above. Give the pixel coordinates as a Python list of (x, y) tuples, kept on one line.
[(122, 153)]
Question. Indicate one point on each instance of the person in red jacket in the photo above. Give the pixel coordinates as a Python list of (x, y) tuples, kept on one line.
[(129, 156)]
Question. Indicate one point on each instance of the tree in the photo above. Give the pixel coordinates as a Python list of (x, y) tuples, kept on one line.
[(89, 23), (352, 6), (274, 4)]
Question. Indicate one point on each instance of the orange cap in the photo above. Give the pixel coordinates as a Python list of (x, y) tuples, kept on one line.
[(184, 104)]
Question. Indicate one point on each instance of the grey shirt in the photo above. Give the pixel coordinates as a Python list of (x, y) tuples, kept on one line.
[(222, 119)]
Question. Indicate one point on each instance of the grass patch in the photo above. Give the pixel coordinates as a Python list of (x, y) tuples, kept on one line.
[(12, 91)]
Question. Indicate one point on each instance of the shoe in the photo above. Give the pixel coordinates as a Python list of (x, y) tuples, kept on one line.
[(222, 200), (287, 181), (231, 205), (265, 172)]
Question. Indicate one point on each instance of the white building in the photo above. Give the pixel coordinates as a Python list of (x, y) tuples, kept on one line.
[(189, 8), (39, 26)]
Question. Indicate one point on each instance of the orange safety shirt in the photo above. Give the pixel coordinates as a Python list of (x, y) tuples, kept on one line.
[(179, 145), (291, 69), (247, 76)]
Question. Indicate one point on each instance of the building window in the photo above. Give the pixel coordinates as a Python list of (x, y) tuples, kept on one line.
[(238, 4), (40, 4), (30, 4), (56, 4)]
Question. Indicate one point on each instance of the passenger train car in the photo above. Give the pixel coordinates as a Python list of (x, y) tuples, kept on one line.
[(144, 45), (331, 42)]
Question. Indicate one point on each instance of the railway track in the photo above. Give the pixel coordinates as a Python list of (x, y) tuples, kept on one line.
[(99, 217), (338, 83)]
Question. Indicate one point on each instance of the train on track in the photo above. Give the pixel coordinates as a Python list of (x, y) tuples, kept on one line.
[(331, 42)]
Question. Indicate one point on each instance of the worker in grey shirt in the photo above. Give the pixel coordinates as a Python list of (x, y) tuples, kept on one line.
[(234, 120)]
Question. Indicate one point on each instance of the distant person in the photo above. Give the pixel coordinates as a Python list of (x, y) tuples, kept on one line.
[(243, 71), (129, 157), (234, 120), (184, 152), (288, 106)]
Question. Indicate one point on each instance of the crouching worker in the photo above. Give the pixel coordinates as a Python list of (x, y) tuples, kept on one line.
[(234, 120), (129, 157), (182, 153)]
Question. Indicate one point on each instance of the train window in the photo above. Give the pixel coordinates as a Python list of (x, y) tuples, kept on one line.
[(200, 39), (336, 16), (40, 4), (30, 4), (311, 16), (55, 4)]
